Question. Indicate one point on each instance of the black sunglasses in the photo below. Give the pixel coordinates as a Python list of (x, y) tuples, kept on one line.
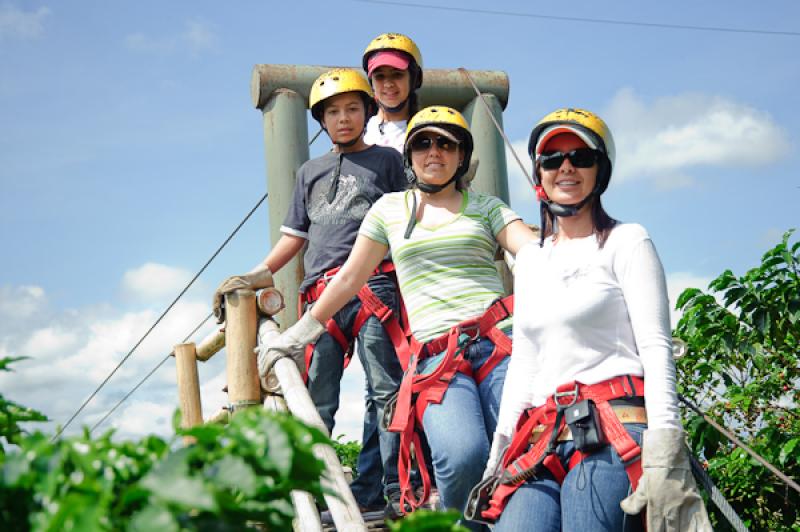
[(426, 143), (580, 158)]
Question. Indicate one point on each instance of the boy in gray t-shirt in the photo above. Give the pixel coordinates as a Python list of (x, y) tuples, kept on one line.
[(331, 197)]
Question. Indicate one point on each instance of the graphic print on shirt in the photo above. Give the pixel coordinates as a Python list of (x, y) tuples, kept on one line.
[(351, 203)]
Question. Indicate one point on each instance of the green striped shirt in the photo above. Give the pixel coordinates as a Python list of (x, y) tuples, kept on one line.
[(446, 273)]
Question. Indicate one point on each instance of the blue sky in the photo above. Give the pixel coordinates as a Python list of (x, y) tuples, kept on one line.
[(129, 149)]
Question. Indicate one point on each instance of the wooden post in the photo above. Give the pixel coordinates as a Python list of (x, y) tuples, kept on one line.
[(188, 387), (240, 341), (342, 505)]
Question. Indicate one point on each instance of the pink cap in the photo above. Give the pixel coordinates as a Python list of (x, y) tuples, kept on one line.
[(390, 58)]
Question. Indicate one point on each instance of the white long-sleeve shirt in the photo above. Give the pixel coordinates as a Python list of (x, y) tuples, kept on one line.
[(582, 313)]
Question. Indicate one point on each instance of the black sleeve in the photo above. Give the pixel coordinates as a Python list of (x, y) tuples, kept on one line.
[(297, 219), (397, 175)]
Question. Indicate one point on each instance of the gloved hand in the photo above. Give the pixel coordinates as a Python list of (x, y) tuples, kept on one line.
[(259, 278), (500, 443), (292, 343), (667, 490)]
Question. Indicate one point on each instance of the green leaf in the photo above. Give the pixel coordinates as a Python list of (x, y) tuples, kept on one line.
[(152, 518), (170, 482), (233, 473), (786, 450), (686, 296)]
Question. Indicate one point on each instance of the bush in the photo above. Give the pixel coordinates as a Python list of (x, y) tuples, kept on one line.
[(742, 368)]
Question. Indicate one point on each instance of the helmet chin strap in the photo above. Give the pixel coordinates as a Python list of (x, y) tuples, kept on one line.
[(433, 189), (565, 211), (396, 108)]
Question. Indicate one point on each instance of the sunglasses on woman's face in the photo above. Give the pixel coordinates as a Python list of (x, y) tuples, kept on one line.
[(580, 158), (426, 143)]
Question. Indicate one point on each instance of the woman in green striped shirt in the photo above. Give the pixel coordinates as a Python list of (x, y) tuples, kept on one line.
[(443, 239)]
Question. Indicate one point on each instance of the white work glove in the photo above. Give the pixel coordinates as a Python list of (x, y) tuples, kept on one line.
[(667, 491), (500, 443), (291, 343), (260, 278)]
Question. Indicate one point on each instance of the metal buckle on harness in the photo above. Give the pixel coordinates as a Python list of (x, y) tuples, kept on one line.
[(572, 393), (472, 330), (479, 499), (504, 307)]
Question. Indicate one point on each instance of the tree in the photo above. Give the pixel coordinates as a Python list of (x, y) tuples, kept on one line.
[(742, 369)]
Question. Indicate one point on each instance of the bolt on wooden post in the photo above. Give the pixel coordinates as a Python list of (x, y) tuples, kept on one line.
[(240, 340), (188, 388)]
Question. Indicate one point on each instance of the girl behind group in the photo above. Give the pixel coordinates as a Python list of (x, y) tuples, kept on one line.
[(393, 64)]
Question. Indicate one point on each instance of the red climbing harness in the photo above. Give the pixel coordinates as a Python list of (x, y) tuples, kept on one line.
[(371, 305), (417, 391), (539, 429)]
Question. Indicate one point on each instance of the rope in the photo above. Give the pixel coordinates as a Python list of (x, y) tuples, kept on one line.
[(586, 19), (716, 496), (788, 481), (126, 357), (148, 376), (497, 125)]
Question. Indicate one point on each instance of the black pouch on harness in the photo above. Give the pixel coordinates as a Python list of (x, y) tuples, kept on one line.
[(584, 423)]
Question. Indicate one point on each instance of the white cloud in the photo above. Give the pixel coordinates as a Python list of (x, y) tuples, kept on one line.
[(678, 282), (50, 340), (76, 351), (15, 23), (197, 37), (21, 302), (154, 282), (666, 139)]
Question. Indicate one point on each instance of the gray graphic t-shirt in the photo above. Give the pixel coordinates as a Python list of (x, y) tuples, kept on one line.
[(328, 206)]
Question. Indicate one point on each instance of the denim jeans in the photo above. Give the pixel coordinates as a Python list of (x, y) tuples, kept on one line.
[(587, 500), (460, 428), (381, 368), (367, 487)]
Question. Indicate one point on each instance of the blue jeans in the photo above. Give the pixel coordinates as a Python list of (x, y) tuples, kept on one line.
[(381, 368), (460, 428), (367, 487), (587, 500)]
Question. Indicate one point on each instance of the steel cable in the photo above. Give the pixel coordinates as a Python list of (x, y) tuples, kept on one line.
[(161, 317), (108, 414)]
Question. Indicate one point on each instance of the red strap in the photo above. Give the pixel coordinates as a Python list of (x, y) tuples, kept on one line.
[(518, 463), (430, 389), (371, 305)]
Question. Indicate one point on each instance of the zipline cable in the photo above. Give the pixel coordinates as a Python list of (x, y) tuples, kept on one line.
[(108, 414), (788, 481), (126, 357), (310, 142), (497, 125), (585, 19), (716, 496)]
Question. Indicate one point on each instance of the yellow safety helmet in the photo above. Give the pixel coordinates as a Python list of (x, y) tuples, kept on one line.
[(586, 125), (339, 81), (399, 43), (447, 121)]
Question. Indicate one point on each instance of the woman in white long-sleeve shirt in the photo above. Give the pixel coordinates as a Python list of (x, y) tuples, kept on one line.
[(592, 361)]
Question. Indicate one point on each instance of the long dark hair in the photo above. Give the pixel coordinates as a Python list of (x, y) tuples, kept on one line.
[(602, 223)]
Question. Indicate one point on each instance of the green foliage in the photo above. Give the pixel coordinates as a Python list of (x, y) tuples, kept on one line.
[(11, 413), (229, 479), (428, 521), (742, 368), (347, 453)]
